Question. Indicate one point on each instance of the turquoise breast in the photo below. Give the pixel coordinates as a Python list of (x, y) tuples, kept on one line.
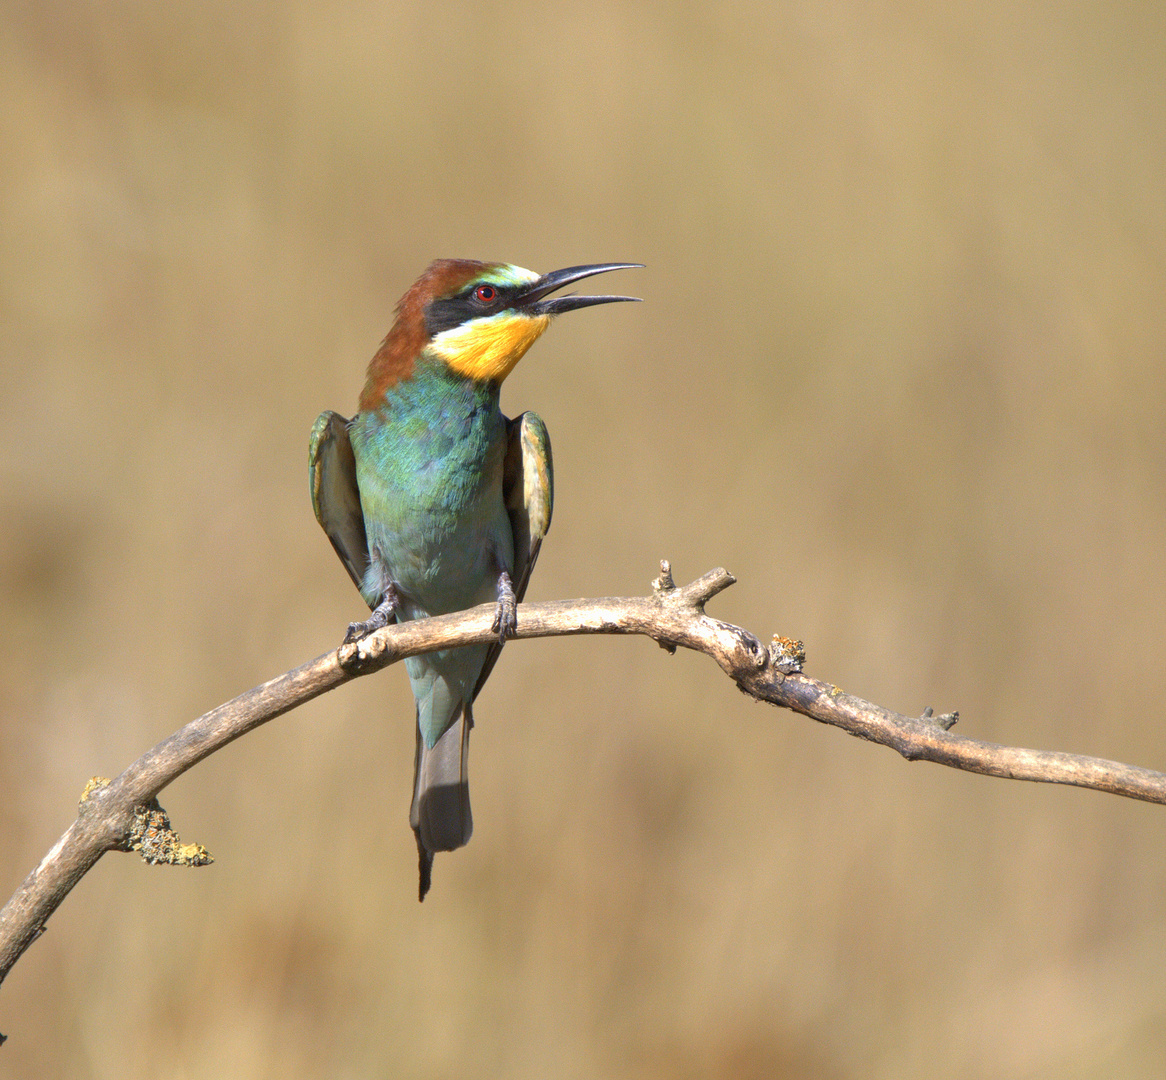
[(429, 469)]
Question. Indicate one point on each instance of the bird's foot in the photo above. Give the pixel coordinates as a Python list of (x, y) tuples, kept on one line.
[(381, 616), (506, 618)]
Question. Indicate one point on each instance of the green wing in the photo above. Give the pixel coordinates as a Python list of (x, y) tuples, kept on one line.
[(335, 496), (528, 488)]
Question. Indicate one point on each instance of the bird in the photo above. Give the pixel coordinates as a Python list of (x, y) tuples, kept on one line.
[(435, 501)]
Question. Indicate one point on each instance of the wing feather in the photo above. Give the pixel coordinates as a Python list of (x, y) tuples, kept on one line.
[(528, 489), (335, 496)]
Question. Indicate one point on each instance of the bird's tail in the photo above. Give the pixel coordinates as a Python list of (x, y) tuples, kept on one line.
[(440, 814)]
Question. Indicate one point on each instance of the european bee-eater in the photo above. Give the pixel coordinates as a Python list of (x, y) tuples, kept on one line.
[(436, 502)]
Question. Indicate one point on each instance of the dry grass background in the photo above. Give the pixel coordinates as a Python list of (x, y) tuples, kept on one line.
[(902, 369)]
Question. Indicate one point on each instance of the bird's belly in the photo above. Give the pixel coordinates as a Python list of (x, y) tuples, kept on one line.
[(441, 535), (444, 565)]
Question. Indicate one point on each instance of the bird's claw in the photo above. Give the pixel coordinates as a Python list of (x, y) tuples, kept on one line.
[(505, 623), (381, 616), (358, 630)]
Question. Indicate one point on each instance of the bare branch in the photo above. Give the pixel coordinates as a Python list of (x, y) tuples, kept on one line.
[(123, 815)]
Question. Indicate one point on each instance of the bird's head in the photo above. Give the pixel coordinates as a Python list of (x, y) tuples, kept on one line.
[(479, 318)]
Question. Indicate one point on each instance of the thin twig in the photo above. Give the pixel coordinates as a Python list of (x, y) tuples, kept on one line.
[(112, 815)]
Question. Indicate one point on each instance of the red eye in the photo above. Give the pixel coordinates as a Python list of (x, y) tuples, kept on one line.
[(485, 293)]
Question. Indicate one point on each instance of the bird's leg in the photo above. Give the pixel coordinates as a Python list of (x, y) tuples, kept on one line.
[(381, 615), (506, 618)]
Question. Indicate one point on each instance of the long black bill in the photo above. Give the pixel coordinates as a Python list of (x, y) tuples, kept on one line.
[(532, 298)]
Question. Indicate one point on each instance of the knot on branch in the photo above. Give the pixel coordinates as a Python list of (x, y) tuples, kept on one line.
[(664, 583), (349, 658), (744, 657), (364, 655), (946, 720)]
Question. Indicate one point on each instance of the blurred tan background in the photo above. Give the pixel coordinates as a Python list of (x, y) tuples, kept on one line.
[(902, 369)]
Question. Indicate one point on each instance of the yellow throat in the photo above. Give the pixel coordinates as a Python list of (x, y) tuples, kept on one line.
[(488, 349)]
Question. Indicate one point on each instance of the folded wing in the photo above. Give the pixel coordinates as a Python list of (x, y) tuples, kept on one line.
[(335, 496), (528, 488)]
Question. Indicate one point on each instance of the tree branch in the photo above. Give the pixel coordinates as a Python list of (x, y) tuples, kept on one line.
[(122, 814)]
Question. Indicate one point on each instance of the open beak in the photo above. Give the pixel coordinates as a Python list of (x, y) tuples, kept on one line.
[(532, 299)]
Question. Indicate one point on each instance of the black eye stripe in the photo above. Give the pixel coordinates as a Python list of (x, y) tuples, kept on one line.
[(451, 311)]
